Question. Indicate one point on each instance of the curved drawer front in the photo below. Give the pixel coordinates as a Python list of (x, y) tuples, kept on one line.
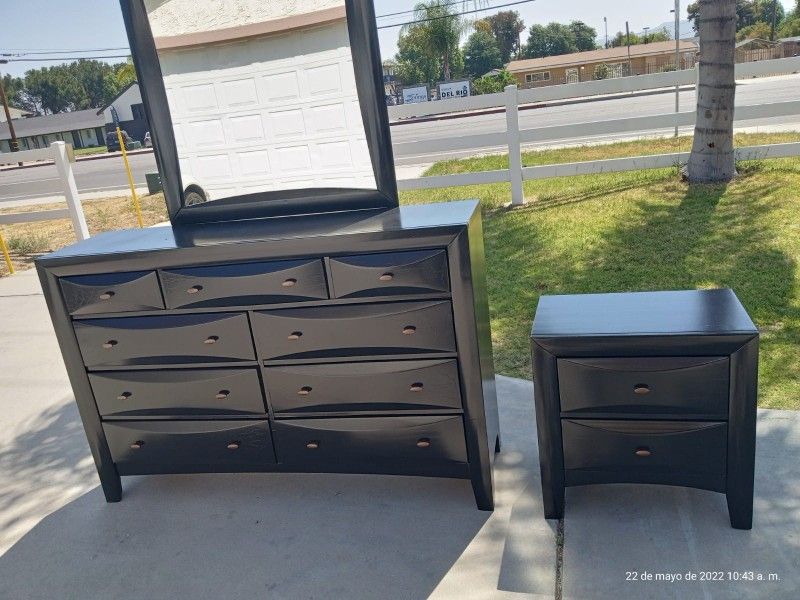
[(691, 386), (178, 392), (355, 330), (111, 292), (173, 339), (245, 284), (421, 272), (369, 386), (336, 443), (147, 447), (677, 452)]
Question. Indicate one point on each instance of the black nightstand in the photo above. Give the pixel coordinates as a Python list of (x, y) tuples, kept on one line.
[(649, 387)]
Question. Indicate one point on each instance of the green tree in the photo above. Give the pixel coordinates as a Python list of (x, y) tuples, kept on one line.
[(620, 39), (54, 90), (13, 87), (748, 12), (98, 81), (506, 27), (585, 36), (492, 84), (790, 27), (762, 11), (439, 27), (124, 73), (550, 40), (481, 54), (414, 64), (759, 30)]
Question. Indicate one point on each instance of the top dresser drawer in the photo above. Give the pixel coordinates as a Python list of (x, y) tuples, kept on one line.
[(245, 283), (361, 275), (111, 292), (688, 385)]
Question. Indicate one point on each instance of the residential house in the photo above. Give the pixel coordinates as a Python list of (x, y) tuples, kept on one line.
[(81, 128), (16, 113), (130, 110), (758, 49)]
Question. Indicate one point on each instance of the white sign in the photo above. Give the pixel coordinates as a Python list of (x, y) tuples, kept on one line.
[(453, 89), (412, 95)]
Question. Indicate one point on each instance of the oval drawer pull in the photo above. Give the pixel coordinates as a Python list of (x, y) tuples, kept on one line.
[(107, 295), (222, 394), (423, 443), (124, 396), (234, 445), (386, 277), (416, 387), (312, 445), (643, 452), (194, 289), (137, 445), (641, 389), (305, 390), (291, 282), (295, 335), (110, 344), (212, 339), (409, 330)]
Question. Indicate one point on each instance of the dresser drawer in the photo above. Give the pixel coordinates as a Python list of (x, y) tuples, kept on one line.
[(147, 447), (690, 386), (368, 386), (333, 444), (178, 392), (420, 272), (355, 330), (111, 292), (671, 452), (245, 284), (170, 339)]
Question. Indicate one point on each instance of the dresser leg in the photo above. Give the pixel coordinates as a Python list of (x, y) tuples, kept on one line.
[(497, 444), (553, 499), (740, 510), (112, 487)]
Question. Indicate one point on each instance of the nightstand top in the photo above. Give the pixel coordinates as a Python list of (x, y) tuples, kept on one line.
[(693, 312)]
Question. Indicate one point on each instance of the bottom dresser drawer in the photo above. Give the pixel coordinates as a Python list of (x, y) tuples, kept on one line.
[(410, 445), (667, 452), (148, 447)]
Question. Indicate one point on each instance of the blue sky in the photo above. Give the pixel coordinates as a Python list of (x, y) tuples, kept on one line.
[(87, 24)]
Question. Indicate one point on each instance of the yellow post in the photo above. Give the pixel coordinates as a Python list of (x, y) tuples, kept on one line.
[(130, 178), (6, 255)]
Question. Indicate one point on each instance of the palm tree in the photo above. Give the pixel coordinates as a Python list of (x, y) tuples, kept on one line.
[(712, 157), (440, 28)]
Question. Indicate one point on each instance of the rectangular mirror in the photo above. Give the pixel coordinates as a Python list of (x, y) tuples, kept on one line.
[(263, 108)]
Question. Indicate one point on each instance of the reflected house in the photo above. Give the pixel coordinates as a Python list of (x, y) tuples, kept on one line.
[(128, 103), (81, 128)]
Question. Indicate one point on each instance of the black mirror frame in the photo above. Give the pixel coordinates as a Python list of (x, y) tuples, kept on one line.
[(369, 83)]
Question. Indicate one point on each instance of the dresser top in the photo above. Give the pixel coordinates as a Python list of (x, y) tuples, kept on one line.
[(694, 312), (441, 217)]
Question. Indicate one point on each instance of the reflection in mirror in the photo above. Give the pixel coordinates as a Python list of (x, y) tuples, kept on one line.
[(262, 96)]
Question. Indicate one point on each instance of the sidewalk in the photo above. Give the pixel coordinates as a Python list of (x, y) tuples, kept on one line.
[(352, 536)]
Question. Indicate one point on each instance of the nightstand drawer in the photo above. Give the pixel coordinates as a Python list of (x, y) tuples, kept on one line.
[(406, 443), (421, 272), (668, 452), (355, 330), (368, 386), (173, 339), (111, 292), (187, 392), (147, 447), (690, 386), (245, 284)]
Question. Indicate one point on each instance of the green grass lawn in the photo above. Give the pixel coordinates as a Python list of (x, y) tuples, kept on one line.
[(88, 151), (644, 230)]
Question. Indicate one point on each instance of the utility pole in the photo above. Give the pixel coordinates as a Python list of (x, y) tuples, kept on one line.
[(646, 29), (13, 143), (677, 11), (774, 17), (628, 36), (605, 22)]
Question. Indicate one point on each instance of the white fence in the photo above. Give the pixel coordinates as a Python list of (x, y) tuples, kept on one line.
[(61, 154)]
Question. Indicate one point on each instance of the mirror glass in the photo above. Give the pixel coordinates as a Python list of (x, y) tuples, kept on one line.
[(262, 96)]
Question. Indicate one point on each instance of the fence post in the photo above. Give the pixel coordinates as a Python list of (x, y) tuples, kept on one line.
[(70, 189), (514, 150)]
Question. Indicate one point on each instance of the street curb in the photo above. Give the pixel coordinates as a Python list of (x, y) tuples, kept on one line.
[(98, 156)]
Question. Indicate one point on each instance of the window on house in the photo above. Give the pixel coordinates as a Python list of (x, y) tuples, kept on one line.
[(536, 77)]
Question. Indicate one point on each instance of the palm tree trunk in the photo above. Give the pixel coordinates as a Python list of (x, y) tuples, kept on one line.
[(712, 157)]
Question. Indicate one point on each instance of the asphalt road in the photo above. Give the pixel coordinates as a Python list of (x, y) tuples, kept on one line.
[(108, 175)]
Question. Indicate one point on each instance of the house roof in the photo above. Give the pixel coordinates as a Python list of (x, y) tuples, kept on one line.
[(761, 42), (597, 56), (66, 121), (118, 96)]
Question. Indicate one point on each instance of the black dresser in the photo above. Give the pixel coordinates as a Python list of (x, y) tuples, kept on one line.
[(651, 387), (350, 342)]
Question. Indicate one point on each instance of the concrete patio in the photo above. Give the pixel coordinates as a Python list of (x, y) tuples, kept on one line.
[(343, 536)]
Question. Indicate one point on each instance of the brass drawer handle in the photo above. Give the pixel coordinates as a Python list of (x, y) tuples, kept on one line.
[(106, 295), (124, 396), (194, 289), (409, 330), (643, 452), (641, 389), (212, 339), (295, 335), (423, 443), (416, 387), (291, 282), (312, 445), (305, 390), (110, 344), (386, 277), (222, 394), (137, 445), (234, 445)]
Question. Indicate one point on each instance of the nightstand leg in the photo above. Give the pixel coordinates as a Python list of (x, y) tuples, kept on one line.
[(553, 499), (497, 444), (112, 486), (740, 510)]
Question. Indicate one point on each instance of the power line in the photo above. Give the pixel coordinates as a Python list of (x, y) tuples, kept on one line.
[(26, 51), (450, 16), (411, 10), (57, 58)]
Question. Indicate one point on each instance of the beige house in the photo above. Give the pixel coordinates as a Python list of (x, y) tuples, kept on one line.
[(602, 64)]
